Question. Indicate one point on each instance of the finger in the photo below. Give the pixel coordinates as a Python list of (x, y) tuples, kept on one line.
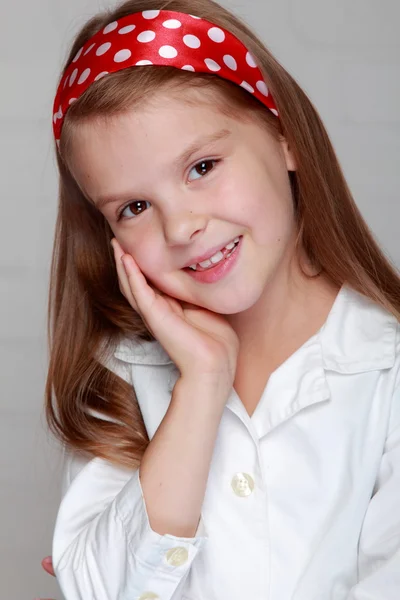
[(117, 258), (142, 293), (47, 565), (122, 277), (126, 281), (132, 279)]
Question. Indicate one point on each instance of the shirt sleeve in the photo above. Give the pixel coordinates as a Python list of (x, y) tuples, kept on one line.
[(103, 544), (379, 548)]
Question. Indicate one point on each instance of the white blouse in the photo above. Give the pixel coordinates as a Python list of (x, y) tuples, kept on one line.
[(303, 497)]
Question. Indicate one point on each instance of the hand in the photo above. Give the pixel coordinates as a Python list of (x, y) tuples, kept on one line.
[(200, 342)]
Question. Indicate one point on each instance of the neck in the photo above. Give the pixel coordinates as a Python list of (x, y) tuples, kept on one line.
[(291, 309)]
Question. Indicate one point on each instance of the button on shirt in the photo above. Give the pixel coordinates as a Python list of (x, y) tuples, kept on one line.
[(302, 499)]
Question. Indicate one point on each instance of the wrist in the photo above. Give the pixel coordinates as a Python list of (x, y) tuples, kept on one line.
[(204, 390)]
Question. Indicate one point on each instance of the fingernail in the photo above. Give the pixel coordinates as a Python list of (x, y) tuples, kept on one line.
[(123, 260)]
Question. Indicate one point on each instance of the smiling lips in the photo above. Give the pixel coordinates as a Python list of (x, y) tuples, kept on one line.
[(215, 258)]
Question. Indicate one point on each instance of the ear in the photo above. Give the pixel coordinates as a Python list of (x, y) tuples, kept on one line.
[(288, 155)]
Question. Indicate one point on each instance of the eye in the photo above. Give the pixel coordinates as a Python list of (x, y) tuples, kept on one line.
[(202, 168), (140, 206)]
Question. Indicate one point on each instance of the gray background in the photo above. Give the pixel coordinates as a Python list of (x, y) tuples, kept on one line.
[(345, 54)]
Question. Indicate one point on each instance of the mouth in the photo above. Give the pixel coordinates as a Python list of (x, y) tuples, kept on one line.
[(216, 258), (217, 266)]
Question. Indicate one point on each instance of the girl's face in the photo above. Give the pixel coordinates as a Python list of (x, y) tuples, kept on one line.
[(181, 179)]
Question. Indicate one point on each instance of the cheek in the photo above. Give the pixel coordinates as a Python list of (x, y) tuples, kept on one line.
[(275, 223), (146, 254), (150, 263), (151, 259), (267, 212), (274, 204)]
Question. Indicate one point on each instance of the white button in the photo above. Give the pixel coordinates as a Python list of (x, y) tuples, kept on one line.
[(177, 556), (242, 484), (148, 596)]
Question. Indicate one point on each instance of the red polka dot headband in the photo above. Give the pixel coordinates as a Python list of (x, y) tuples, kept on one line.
[(159, 37)]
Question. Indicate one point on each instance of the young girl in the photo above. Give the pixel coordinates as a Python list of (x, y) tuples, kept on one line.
[(224, 368)]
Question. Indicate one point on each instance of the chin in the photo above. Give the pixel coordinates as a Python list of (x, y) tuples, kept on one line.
[(230, 304), (240, 297)]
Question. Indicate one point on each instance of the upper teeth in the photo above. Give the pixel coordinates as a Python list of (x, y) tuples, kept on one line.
[(216, 258)]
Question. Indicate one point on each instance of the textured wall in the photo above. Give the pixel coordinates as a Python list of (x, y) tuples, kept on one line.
[(346, 56)]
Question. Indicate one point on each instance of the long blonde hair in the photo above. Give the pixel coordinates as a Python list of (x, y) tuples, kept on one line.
[(88, 315)]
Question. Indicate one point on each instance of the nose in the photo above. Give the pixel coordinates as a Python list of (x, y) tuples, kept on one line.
[(183, 227)]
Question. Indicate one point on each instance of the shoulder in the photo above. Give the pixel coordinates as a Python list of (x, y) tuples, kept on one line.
[(360, 335)]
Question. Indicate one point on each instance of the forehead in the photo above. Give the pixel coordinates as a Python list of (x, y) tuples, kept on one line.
[(193, 107), (151, 133)]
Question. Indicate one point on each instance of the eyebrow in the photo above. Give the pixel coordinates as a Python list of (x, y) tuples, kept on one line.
[(184, 157)]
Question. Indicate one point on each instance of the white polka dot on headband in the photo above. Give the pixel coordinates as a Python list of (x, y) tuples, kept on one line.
[(159, 37)]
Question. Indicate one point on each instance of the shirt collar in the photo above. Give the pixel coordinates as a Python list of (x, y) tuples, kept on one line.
[(141, 352), (357, 336)]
